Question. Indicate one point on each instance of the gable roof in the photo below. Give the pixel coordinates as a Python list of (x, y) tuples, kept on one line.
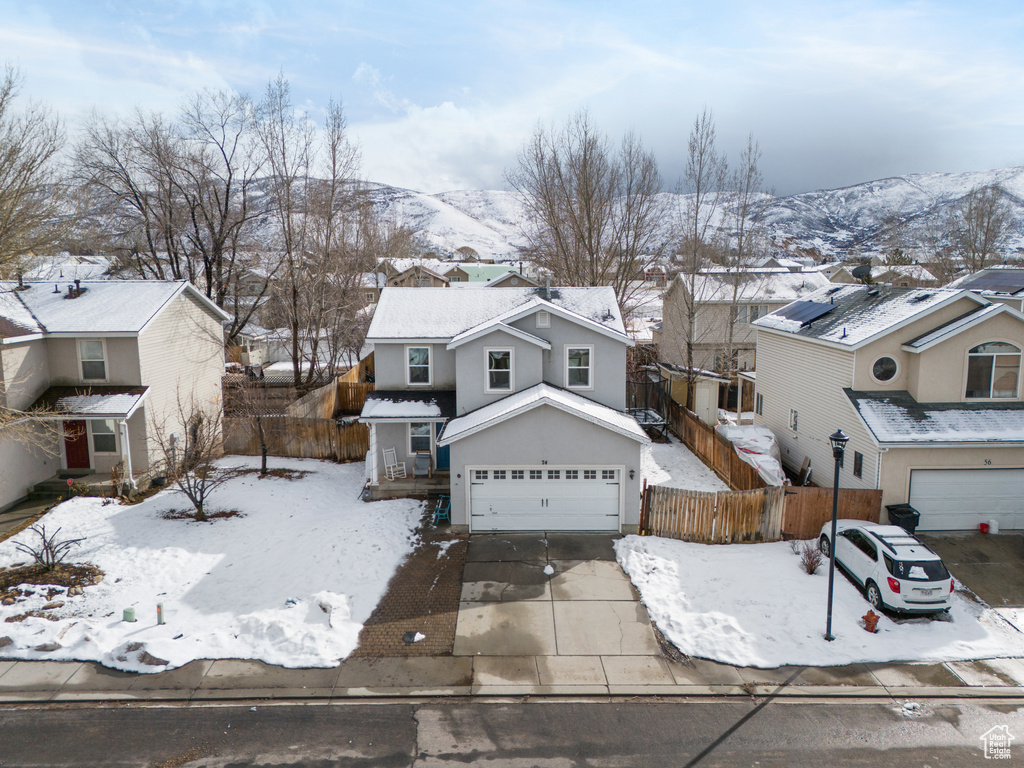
[(534, 397), (771, 284), (497, 325), (895, 417), (853, 315), (104, 307), (957, 325), (444, 313)]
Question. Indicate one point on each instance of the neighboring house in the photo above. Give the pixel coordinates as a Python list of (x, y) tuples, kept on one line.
[(372, 283), (476, 273), (111, 360), (1002, 284), (418, 276), (65, 268), (903, 276), (518, 395), (925, 382), (725, 298)]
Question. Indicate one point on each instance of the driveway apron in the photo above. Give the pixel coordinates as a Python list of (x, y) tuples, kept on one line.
[(550, 596)]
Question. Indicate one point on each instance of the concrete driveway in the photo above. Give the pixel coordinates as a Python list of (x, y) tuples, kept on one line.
[(991, 566), (552, 609)]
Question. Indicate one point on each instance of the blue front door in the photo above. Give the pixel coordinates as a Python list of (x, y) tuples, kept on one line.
[(442, 450)]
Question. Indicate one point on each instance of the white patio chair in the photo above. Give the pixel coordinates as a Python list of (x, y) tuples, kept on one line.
[(393, 468)]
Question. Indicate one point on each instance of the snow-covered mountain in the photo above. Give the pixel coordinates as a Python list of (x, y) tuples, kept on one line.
[(825, 224)]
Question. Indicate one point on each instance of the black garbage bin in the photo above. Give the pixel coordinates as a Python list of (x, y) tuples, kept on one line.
[(903, 515)]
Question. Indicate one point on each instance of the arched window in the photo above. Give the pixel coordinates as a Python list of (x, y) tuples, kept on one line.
[(993, 370)]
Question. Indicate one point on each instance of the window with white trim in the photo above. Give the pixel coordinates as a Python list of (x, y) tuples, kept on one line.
[(554, 474), (500, 371), (572, 474), (419, 436), (418, 365), (607, 474), (993, 371), (479, 474), (579, 363), (590, 474), (536, 474), (517, 474), (104, 436), (94, 364), (499, 474)]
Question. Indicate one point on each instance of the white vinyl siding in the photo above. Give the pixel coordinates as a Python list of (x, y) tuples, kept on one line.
[(795, 375)]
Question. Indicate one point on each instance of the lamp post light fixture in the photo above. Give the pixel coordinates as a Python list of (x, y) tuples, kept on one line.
[(838, 441)]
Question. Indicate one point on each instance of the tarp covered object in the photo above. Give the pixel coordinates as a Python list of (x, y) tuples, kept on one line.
[(756, 445)]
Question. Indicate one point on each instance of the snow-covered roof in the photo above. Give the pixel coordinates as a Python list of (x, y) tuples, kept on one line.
[(15, 319), (858, 313), (401, 405), (909, 271), (491, 326), (105, 306), (962, 323), (481, 273), (106, 402), (534, 397), (755, 285), (65, 267), (443, 313), (895, 417)]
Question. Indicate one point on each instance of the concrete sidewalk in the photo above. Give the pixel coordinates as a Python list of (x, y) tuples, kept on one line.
[(539, 616)]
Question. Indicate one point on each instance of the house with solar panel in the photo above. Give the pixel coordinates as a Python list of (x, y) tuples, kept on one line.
[(105, 362), (925, 382), (512, 402), (1004, 284)]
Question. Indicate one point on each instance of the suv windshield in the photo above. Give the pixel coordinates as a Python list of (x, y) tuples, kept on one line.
[(917, 570)]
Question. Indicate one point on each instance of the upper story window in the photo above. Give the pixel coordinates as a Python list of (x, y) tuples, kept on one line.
[(94, 364), (884, 369), (499, 370), (418, 368), (579, 362), (422, 281), (454, 279), (993, 370)]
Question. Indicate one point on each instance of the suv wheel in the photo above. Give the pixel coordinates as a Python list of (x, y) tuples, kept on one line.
[(823, 545), (874, 596)]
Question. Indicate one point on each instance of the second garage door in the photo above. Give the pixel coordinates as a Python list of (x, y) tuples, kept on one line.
[(959, 499), (544, 498)]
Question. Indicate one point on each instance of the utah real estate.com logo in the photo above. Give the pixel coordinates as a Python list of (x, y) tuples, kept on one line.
[(997, 742)]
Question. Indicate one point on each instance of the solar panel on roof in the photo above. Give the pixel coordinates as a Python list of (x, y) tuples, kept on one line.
[(805, 312), (1001, 281)]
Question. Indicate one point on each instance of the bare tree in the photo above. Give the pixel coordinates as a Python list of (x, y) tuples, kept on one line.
[(594, 211), (191, 455), (251, 403), (703, 186), (31, 214), (317, 207), (978, 226)]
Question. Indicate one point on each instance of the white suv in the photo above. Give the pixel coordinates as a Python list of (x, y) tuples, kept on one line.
[(895, 569)]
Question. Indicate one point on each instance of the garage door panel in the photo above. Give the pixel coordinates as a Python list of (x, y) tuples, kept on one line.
[(960, 499), (552, 500)]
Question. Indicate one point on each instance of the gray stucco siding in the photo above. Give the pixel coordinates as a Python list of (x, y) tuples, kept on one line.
[(471, 369), (546, 434), (608, 366)]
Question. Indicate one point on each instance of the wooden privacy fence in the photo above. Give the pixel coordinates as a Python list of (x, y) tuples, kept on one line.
[(298, 438), (767, 514), (713, 449), (712, 518), (318, 404), (350, 396), (808, 508)]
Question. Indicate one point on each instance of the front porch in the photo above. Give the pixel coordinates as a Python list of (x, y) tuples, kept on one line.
[(411, 487)]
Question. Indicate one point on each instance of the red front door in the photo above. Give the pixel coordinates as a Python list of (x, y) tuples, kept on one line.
[(76, 445)]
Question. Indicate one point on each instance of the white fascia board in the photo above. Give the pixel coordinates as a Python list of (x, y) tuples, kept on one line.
[(964, 324), (492, 326), (93, 335), (538, 304), (956, 444), (527, 407), (23, 339), (138, 404), (186, 286), (407, 340)]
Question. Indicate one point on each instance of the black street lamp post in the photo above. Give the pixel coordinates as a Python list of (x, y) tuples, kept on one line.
[(839, 441)]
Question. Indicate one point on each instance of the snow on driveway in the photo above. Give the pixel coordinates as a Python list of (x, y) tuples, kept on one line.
[(290, 582), (752, 605), (673, 465)]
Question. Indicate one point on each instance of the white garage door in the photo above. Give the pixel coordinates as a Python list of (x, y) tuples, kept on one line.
[(959, 499), (544, 499)]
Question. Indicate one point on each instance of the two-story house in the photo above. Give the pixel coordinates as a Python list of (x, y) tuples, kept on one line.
[(925, 382), (109, 361), (518, 394)]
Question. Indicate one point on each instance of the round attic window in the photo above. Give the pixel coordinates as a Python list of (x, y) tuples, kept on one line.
[(884, 369)]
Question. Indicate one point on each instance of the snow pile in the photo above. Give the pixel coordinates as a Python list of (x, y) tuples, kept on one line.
[(752, 605), (671, 464), (289, 582), (757, 447)]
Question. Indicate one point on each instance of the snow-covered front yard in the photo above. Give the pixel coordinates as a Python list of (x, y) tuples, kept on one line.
[(290, 581), (753, 605), (673, 465)]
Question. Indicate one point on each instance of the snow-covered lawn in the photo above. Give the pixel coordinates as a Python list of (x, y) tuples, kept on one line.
[(753, 605), (288, 582), (673, 465)]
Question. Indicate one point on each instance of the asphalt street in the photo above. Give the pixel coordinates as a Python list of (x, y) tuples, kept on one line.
[(547, 734)]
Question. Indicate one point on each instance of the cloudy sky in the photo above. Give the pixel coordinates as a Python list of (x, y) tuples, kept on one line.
[(441, 94)]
